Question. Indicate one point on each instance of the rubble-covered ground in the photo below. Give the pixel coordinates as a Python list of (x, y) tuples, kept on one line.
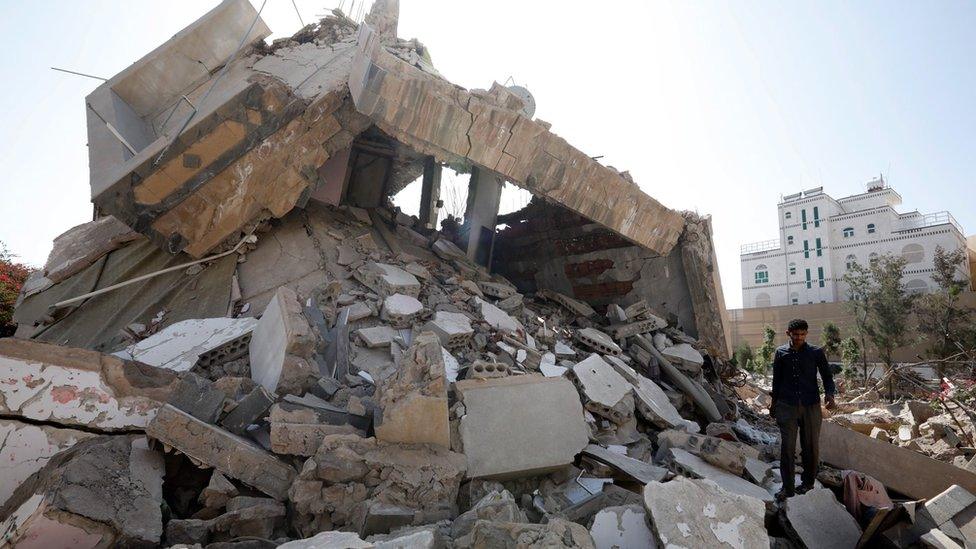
[(344, 377)]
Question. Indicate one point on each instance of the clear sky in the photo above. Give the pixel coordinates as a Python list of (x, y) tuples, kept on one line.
[(718, 107)]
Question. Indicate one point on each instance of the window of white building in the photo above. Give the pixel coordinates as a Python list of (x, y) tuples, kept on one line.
[(916, 286), (794, 298), (789, 240), (792, 268), (871, 229), (762, 300), (913, 253), (851, 260), (788, 215), (848, 232), (762, 274)]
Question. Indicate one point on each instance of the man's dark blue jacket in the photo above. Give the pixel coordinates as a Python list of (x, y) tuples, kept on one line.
[(795, 375)]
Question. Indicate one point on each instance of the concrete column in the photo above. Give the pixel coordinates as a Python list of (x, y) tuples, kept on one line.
[(430, 193), (481, 215)]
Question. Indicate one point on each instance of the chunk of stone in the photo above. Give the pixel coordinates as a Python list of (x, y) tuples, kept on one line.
[(248, 411), (418, 537), (520, 426), (25, 448), (661, 341), (757, 471), (329, 540), (105, 491), (282, 331), (819, 520), (80, 246), (948, 504), (391, 279), (652, 402), (414, 398), (181, 346), (622, 527), (512, 535), (603, 387), (634, 469), (377, 336), (495, 317), (731, 456), (691, 465), (298, 430), (699, 513), (623, 331), (482, 369), (222, 450), (690, 387), (198, 397), (249, 516), (382, 518), (511, 303), (561, 349), (637, 309), (337, 484), (575, 306), (400, 310), (453, 329), (496, 290), (359, 311), (616, 313), (218, 491), (496, 506), (188, 531), (598, 341), (78, 388), (685, 357), (937, 539)]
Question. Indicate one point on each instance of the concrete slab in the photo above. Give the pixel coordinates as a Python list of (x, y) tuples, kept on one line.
[(622, 527), (179, 346), (685, 357), (198, 397), (847, 449), (699, 513), (635, 469), (77, 387), (222, 450), (600, 383), (689, 464), (377, 336), (25, 448), (652, 402), (731, 456), (454, 329), (495, 317), (282, 331), (520, 426), (819, 520), (598, 341), (401, 310)]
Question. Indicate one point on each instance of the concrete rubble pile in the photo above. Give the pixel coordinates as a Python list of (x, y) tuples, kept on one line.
[(251, 347)]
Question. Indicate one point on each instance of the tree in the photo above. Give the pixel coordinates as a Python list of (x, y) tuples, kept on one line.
[(850, 354), (764, 355), (830, 339), (946, 324), (884, 304), (12, 278), (744, 356)]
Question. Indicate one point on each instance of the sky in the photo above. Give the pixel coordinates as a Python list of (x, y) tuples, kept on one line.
[(717, 107)]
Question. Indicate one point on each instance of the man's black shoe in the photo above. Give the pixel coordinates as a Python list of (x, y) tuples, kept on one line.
[(804, 488)]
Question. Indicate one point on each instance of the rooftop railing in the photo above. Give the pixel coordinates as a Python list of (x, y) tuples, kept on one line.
[(756, 247), (928, 220)]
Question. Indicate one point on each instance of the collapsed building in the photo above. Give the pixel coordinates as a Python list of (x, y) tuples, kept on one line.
[(250, 346)]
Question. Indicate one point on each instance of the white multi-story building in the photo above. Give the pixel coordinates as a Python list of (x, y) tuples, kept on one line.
[(820, 237)]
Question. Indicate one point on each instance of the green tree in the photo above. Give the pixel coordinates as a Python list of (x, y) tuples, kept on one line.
[(850, 354), (946, 324), (764, 355), (744, 356), (885, 302), (830, 339)]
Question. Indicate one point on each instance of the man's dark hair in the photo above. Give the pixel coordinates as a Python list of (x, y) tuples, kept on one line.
[(798, 324)]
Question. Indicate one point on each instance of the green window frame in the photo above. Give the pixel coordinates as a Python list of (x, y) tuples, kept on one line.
[(806, 249), (816, 216), (803, 218), (819, 248), (809, 283), (821, 276)]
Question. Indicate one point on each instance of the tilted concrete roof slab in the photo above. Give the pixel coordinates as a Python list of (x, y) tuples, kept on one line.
[(437, 117)]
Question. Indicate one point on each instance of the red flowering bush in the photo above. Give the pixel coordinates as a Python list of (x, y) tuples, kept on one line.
[(12, 277)]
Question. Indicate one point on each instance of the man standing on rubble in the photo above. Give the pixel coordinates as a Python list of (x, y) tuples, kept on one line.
[(796, 405)]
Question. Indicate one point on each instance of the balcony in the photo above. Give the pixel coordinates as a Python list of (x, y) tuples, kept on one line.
[(927, 220), (756, 247)]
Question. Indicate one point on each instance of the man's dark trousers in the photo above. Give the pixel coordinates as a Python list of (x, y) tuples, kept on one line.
[(793, 418)]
